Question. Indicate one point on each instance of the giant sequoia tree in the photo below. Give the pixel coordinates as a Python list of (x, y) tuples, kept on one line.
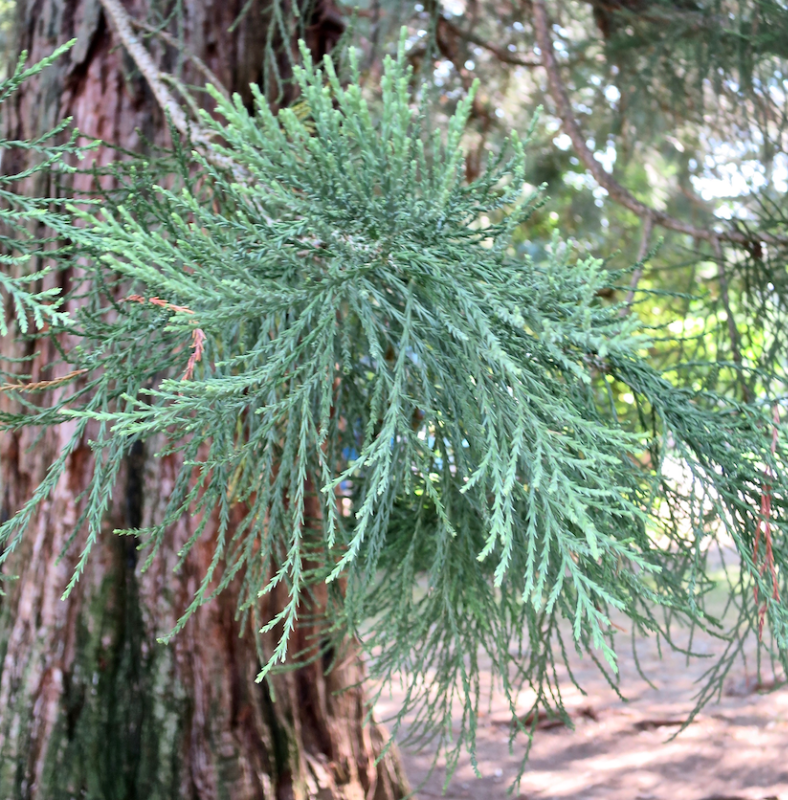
[(340, 393)]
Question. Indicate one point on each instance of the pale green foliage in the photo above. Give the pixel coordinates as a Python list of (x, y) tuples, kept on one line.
[(362, 337)]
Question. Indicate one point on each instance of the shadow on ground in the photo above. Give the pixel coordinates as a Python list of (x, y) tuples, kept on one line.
[(736, 749)]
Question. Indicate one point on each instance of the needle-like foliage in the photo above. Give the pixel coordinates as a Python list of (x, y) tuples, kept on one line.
[(21, 216), (341, 316)]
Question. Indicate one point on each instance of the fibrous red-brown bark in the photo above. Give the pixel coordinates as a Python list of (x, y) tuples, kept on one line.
[(90, 705)]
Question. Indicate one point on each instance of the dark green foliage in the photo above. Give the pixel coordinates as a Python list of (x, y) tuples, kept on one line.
[(343, 316), (20, 215)]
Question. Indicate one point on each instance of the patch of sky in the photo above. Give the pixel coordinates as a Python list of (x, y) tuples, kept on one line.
[(454, 7), (442, 72), (728, 173)]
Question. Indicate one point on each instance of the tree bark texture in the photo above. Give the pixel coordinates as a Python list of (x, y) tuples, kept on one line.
[(90, 705)]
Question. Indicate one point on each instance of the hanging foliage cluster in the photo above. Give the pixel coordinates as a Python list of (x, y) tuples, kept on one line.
[(368, 386)]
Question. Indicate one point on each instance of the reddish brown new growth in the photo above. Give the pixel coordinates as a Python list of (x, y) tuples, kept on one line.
[(198, 344), (198, 336), (157, 301), (764, 525)]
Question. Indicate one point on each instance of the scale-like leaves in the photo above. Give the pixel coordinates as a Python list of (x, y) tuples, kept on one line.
[(341, 315)]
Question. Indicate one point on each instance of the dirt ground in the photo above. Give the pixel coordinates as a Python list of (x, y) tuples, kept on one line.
[(736, 748)]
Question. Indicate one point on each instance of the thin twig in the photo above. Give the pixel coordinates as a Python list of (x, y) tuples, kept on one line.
[(617, 192), (502, 55), (42, 385), (184, 92), (648, 227), (123, 26), (142, 58), (733, 331)]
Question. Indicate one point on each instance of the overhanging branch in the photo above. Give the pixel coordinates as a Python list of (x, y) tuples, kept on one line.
[(502, 55), (142, 58), (617, 192)]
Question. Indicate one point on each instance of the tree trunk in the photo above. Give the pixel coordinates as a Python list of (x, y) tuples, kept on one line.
[(90, 705)]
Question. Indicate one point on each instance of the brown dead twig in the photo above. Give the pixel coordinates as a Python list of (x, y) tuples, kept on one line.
[(198, 335), (198, 345), (40, 386), (765, 527)]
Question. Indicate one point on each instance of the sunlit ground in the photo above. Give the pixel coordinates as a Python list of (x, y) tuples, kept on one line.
[(736, 747)]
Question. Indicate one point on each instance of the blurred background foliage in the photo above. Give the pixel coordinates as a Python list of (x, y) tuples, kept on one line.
[(6, 28)]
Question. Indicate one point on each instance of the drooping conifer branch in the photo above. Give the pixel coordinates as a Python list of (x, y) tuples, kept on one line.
[(359, 332)]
